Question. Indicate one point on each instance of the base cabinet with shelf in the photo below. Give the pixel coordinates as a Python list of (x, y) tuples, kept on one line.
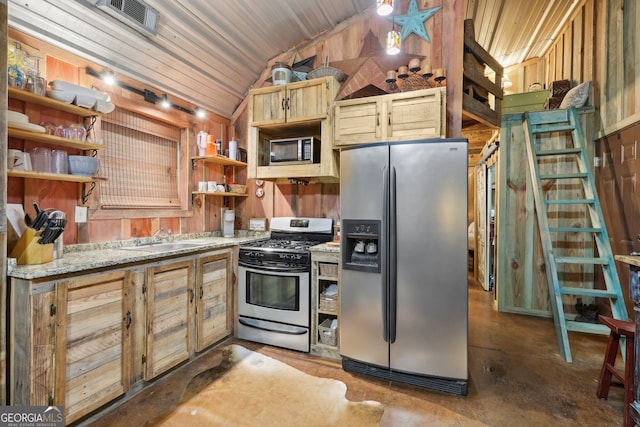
[(402, 116), (325, 303), (85, 341), (293, 110)]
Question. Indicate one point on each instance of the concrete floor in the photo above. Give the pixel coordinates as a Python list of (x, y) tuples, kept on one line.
[(516, 378)]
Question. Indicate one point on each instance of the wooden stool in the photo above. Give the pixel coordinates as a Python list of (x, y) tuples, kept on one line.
[(618, 328)]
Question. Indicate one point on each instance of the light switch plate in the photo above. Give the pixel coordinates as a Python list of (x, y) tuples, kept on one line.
[(81, 214)]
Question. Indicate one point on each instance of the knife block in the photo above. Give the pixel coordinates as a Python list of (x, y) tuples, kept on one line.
[(29, 251)]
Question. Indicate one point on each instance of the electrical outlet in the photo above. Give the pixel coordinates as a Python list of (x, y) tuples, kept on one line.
[(81, 214)]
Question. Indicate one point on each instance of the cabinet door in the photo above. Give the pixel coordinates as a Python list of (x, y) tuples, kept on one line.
[(170, 298), (308, 100), (267, 106), (32, 342), (357, 121), (93, 342), (416, 115), (213, 310)]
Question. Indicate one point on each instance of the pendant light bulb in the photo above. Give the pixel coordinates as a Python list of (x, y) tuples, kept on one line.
[(393, 42), (384, 7)]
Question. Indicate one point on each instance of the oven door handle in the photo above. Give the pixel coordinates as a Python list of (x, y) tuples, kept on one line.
[(282, 329), (262, 268)]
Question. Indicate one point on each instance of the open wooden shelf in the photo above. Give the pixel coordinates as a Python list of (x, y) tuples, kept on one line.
[(52, 139), (49, 176), (220, 193), (220, 160), (45, 101)]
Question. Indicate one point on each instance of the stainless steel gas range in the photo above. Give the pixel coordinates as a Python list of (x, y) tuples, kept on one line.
[(274, 283)]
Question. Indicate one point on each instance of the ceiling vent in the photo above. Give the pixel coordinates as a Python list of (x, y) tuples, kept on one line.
[(134, 13)]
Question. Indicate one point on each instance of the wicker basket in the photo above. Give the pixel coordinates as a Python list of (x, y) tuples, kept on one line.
[(237, 188), (325, 72), (327, 269), (328, 303), (327, 334)]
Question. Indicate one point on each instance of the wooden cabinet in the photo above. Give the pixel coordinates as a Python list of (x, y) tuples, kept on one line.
[(187, 308), (395, 117), (52, 140), (70, 342), (294, 110), (83, 342), (325, 303), (291, 103), (92, 342), (170, 301), (214, 312)]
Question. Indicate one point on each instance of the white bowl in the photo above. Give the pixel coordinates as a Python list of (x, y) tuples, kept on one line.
[(83, 165), (62, 95)]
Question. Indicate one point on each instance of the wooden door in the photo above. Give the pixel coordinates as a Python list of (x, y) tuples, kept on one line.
[(267, 106), (214, 309), (357, 121), (93, 362), (170, 300), (415, 115), (308, 100)]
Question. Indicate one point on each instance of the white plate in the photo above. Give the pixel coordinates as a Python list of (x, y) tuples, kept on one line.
[(14, 116), (31, 127), (62, 95)]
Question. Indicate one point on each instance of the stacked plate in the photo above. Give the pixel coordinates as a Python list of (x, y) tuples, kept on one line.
[(80, 96), (21, 121)]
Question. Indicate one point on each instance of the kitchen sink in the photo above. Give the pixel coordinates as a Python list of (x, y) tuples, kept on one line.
[(163, 247)]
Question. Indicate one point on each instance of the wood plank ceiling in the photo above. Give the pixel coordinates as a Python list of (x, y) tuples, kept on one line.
[(211, 52)]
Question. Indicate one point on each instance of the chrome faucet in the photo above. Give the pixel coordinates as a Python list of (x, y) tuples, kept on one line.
[(155, 233)]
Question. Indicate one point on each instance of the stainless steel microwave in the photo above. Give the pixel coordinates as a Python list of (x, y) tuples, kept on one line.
[(294, 150)]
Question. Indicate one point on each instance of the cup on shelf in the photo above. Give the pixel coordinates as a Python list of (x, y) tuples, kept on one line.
[(49, 128), (220, 188), (77, 132), (15, 159), (63, 132), (202, 186), (211, 185), (41, 158), (59, 162)]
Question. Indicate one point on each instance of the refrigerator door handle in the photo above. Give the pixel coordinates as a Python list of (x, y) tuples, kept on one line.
[(393, 258), (385, 265)]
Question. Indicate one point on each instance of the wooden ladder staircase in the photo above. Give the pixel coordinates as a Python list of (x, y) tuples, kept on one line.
[(573, 234)]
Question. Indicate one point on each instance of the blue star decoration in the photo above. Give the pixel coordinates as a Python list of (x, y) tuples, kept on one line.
[(413, 21)]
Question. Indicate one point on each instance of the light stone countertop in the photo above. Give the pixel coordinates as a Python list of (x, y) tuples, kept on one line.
[(325, 248), (85, 257)]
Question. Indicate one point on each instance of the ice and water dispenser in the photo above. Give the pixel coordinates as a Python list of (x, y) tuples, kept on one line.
[(361, 249)]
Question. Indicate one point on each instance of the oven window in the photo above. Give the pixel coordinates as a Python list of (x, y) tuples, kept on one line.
[(273, 291)]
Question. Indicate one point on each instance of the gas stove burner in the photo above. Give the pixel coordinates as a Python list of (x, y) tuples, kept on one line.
[(290, 245)]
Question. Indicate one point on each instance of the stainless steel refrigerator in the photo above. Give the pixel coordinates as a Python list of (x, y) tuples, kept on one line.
[(403, 296)]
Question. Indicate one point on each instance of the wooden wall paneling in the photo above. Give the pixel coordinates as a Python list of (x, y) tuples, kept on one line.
[(632, 65), (577, 48), (517, 285), (567, 51), (3, 201), (615, 63)]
